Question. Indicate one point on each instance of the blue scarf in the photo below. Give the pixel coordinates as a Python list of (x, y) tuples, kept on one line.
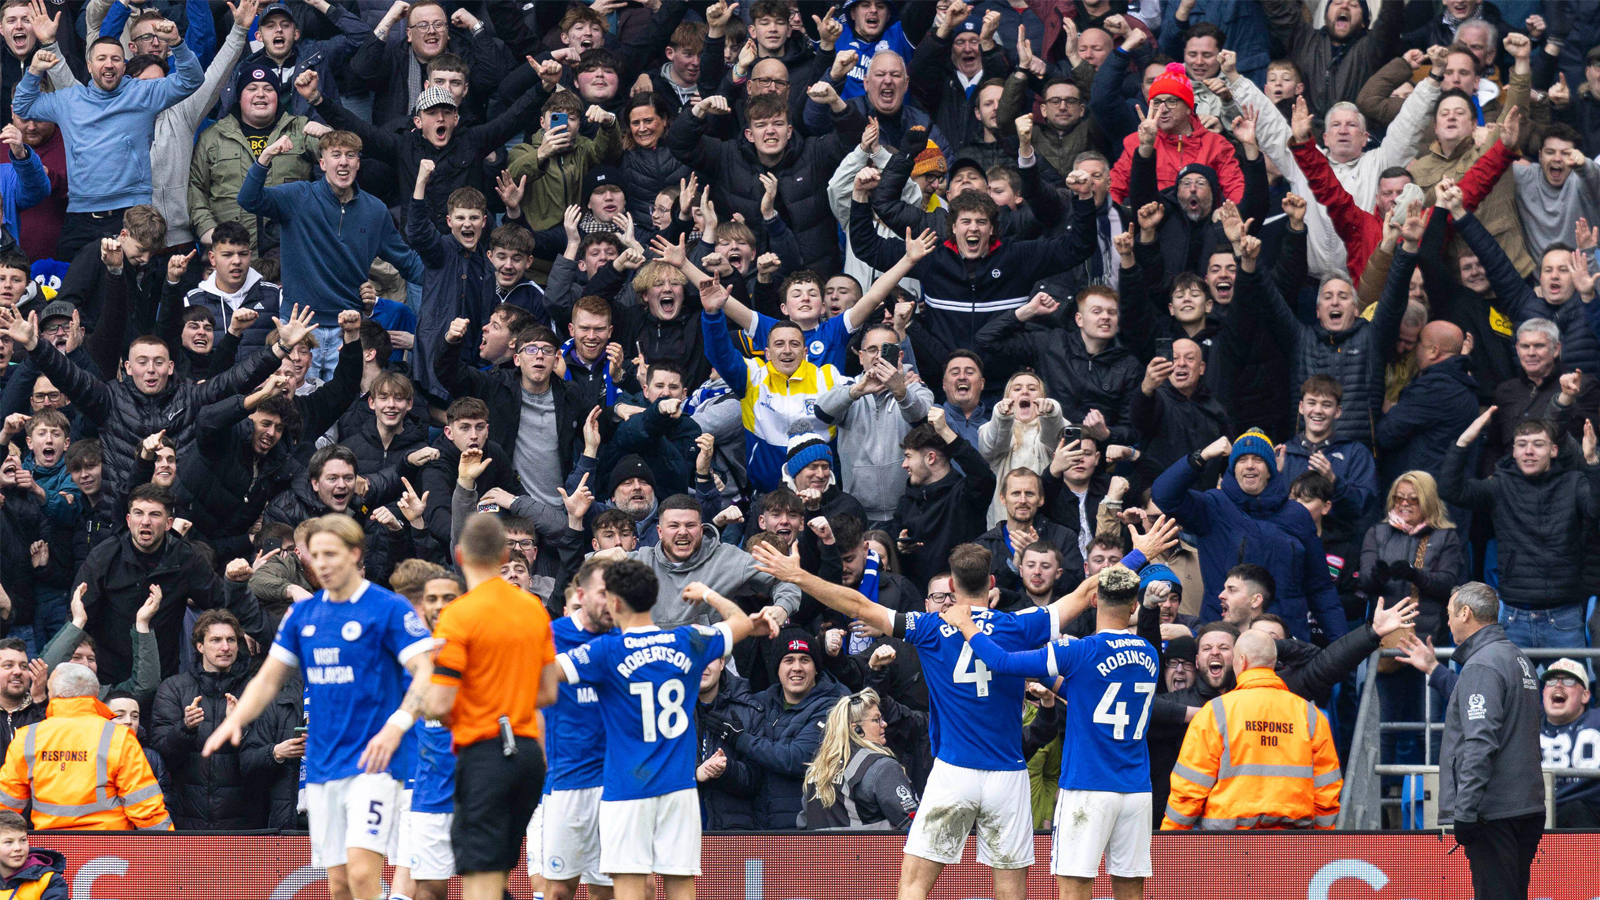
[(705, 394), (605, 370), (869, 588)]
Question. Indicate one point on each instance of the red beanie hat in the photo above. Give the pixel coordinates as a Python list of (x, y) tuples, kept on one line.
[(1174, 81)]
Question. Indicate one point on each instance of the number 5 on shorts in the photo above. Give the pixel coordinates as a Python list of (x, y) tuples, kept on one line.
[(375, 813)]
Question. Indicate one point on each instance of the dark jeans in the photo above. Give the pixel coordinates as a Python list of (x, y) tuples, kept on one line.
[(79, 229), (1501, 857)]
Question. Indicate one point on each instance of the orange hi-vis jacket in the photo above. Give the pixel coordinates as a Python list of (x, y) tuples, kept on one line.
[(1256, 757), (82, 771)]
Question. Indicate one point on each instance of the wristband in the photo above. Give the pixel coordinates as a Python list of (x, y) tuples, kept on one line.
[(401, 720)]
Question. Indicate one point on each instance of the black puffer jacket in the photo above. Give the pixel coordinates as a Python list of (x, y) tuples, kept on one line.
[(1442, 569), (126, 416), (278, 782), (802, 172), (961, 295), (1174, 426), (222, 484), (501, 389), (727, 803), (385, 68), (781, 742), (1580, 347), (383, 467), (207, 792), (1080, 380), (647, 173), (1540, 522), (119, 578), (1355, 357)]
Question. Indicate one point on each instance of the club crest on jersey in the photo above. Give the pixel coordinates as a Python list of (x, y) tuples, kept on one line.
[(1477, 707), (414, 626), (994, 273), (816, 348), (352, 630)]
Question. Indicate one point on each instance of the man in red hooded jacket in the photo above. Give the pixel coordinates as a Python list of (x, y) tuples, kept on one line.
[(1174, 134)]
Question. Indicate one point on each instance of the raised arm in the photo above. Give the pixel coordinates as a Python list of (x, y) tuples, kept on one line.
[(846, 601)]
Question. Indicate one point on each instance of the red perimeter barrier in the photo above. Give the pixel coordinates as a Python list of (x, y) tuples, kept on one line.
[(1267, 866)]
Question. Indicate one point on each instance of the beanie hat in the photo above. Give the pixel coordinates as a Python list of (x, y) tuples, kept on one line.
[(1204, 171), (804, 449), (808, 443), (1157, 572), (630, 466), (1184, 648), (601, 176), (928, 161), (1174, 81), (795, 640), (251, 74), (1254, 443)]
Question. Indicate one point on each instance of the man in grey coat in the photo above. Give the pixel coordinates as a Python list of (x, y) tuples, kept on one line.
[(1490, 782), (686, 554), (873, 414)]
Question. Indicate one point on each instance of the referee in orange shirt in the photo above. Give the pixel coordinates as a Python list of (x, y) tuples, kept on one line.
[(496, 667)]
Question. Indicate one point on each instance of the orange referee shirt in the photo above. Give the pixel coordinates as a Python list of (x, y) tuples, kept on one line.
[(495, 641)]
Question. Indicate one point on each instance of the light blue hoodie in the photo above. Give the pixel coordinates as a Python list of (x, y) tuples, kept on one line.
[(108, 133)]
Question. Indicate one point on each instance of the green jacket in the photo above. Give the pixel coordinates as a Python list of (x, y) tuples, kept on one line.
[(557, 183), (222, 157)]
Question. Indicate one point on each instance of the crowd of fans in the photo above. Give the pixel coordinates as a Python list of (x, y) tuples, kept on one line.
[(873, 281)]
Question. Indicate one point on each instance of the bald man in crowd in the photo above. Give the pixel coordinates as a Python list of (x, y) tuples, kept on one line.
[(1433, 410)]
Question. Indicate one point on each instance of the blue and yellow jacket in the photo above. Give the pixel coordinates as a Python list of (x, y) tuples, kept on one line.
[(769, 400)]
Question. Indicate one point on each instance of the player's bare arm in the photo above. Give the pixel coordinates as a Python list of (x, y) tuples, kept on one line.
[(848, 601)]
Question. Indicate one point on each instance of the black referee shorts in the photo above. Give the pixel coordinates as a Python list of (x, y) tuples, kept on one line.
[(495, 797)]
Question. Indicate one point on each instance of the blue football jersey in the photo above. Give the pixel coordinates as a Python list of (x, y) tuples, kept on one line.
[(1109, 681), (648, 682), (828, 343), (434, 781), (574, 733), (352, 655), (976, 718)]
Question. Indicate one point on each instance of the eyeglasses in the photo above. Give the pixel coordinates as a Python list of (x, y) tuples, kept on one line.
[(149, 39), (1563, 680), (521, 543), (771, 82), (431, 26), (1167, 101), (942, 598), (1063, 101), (53, 330), (1400, 500), (46, 396), (538, 350)]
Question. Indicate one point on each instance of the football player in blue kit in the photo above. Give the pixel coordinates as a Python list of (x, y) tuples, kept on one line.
[(353, 642), (424, 844), (1108, 681), (647, 681), (979, 776), (564, 834)]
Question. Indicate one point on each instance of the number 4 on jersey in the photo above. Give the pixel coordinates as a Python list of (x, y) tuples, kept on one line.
[(1119, 720), (673, 720), (970, 670)]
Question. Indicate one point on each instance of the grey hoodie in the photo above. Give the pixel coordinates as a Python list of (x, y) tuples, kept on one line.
[(1489, 757), (723, 567), (870, 430)]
